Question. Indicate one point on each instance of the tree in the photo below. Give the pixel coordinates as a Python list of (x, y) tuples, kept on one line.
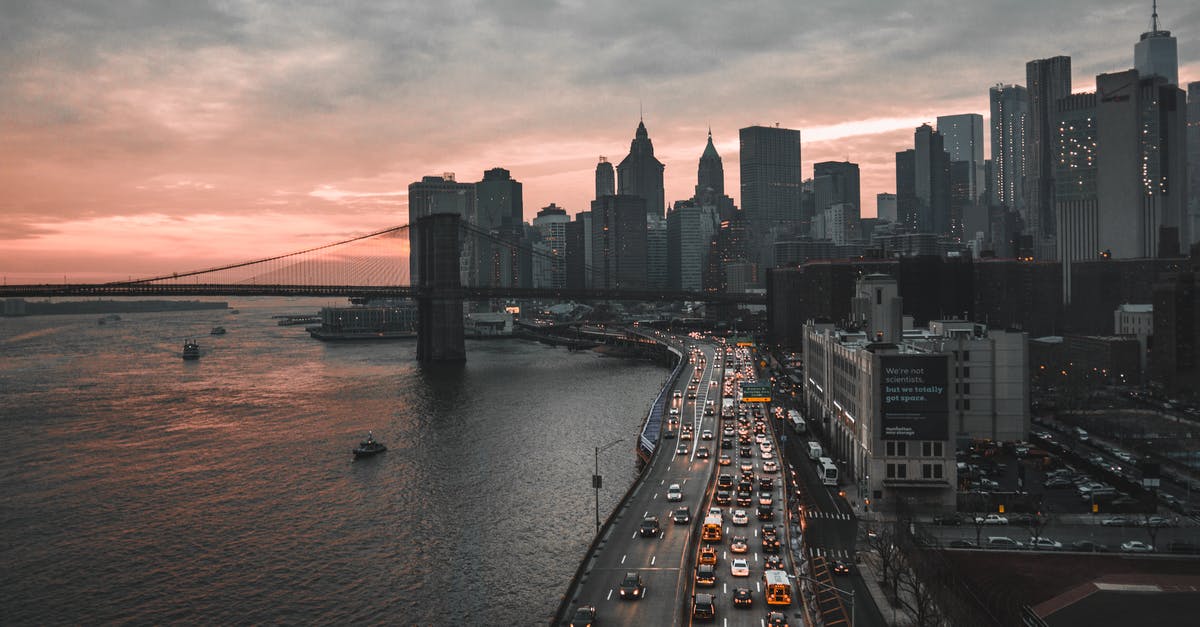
[(1038, 525), (920, 599), (886, 553)]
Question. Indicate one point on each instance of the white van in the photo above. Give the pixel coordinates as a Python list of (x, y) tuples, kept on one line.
[(814, 451)]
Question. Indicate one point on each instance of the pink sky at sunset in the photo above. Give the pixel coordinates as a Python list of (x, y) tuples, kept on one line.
[(144, 139)]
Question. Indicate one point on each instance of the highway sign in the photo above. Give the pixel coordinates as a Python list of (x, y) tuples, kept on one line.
[(756, 392)]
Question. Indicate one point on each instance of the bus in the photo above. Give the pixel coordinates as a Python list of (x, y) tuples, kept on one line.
[(814, 451), (796, 421), (711, 532), (828, 472), (778, 588)]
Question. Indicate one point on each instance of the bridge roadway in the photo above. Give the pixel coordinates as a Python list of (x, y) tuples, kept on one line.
[(666, 563)]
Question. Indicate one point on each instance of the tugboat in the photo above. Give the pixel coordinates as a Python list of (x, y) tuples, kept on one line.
[(191, 350), (217, 331), (369, 447)]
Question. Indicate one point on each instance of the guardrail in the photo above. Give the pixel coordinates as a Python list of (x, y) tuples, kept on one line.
[(652, 428)]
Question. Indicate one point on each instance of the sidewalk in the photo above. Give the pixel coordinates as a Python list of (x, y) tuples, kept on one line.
[(892, 615)]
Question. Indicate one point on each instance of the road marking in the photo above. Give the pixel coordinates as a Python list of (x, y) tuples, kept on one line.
[(758, 586), (623, 559), (634, 537), (724, 588), (652, 558), (646, 514), (609, 597), (654, 497)]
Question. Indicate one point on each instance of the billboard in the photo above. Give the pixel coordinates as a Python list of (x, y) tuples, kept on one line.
[(914, 400)]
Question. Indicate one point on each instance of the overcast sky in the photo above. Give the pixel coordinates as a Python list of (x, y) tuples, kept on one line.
[(166, 135)]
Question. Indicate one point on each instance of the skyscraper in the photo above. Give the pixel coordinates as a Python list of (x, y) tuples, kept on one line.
[(963, 136), (1010, 118), (844, 190), (640, 174), (1193, 152), (906, 191), (690, 231), (551, 222), (619, 242), (499, 207), (1077, 206), (885, 207), (1047, 80), (931, 184), (1156, 54), (710, 174), (438, 194), (771, 177), (656, 252), (606, 178)]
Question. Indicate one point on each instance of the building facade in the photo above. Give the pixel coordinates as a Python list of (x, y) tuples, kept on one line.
[(641, 174), (1010, 121), (963, 139), (619, 242), (770, 177), (1047, 81)]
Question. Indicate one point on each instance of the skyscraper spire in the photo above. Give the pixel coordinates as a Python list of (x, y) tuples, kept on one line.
[(1154, 17)]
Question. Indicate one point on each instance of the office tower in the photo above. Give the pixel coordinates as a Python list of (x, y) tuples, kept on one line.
[(584, 218), (770, 170), (1010, 119), (1193, 152), (906, 191), (640, 174), (1155, 54), (656, 252), (931, 169), (690, 231), (575, 266), (606, 178), (619, 242), (963, 136), (1047, 80), (499, 212), (885, 207), (1141, 162), (844, 190), (1076, 205), (710, 175), (551, 223), (961, 174), (437, 194)]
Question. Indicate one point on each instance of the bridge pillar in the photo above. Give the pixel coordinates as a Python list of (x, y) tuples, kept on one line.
[(440, 293)]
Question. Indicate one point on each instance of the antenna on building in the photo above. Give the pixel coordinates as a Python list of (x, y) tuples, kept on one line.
[(1154, 18), (640, 119)]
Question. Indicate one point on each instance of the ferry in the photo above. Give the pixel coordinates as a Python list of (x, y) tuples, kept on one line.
[(191, 350)]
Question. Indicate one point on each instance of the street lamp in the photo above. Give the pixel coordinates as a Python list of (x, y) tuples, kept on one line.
[(596, 479), (850, 593)]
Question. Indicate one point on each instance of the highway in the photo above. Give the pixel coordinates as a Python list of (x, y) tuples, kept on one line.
[(662, 561)]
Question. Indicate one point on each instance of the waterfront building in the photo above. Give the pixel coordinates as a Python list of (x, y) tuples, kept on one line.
[(619, 242), (770, 177), (641, 174), (1010, 119), (1047, 81), (499, 211)]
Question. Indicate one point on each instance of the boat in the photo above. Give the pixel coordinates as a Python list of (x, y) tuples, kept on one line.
[(191, 350), (369, 447), (217, 331)]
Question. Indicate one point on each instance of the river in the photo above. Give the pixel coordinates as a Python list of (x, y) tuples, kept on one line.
[(139, 488)]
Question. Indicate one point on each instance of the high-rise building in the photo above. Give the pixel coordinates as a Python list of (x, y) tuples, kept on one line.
[(771, 177), (885, 207), (906, 190), (1141, 177), (1193, 152), (1047, 80), (575, 278), (1156, 53), (710, 175), (641, 174), (1010, 119), (690, 231), (551, 223), (606, 178), (584, 218), (499, 208), (619, 242), (963, 137), (656, 252), (844, 190), (1077, 207), (438, 194), (931, 168)]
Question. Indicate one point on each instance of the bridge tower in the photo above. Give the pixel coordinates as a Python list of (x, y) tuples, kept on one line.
[(440, 292)]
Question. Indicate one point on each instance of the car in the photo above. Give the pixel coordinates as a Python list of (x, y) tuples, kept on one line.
[(746, 452), (682, 449), (764, 498), (770, 544), (740, 517), (961, 544), (649, 527), (772, 562), (727, 432), (738, 545), (765, 512), (632, 586), (1087, 546), (708, 555), (668, 435), (840, 568), (776, 619), (1116, 521), (1136, 546), (706, 575), (742, 597), (674, 492), (706, 435), (584, 616), (715, 511), (681, 516), (725, 480), (770, 466), (702, 452), (766, 483), (739, 568), (726, 444), (724, 460), (1057, 482), (704, 606), (723, 497), (747, 467), (685, 435), (947, 519), (1003, 542), (1157, 521), (743, 499), (767, 455), (991, 519), (1045, 544)]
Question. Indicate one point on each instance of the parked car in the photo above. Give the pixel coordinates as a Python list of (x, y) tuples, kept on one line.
[(1003, 542), (961, 544), (1045, 544), (947, 519), (1116, 521), (1087, 546), (991, 519), (1136, 546)]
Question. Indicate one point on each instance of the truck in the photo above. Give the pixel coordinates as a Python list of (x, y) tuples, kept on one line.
[(814, 451), (796, 421)]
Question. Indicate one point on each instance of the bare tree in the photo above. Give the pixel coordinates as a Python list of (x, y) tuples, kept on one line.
[(886, 554), (920, 599), (1038, 525), (1152, 527)]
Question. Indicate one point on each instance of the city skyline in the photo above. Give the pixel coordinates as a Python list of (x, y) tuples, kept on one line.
[(154, 139)]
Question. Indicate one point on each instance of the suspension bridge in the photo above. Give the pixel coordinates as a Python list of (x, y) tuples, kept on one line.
[(440, 262)]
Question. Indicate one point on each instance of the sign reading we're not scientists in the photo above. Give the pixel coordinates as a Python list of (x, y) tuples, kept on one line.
[(914, 399)]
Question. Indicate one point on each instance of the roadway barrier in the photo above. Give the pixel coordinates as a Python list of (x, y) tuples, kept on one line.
[(652, 427)]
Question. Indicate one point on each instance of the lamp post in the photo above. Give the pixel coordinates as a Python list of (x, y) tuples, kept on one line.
[(596, 479), (849, 593)]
